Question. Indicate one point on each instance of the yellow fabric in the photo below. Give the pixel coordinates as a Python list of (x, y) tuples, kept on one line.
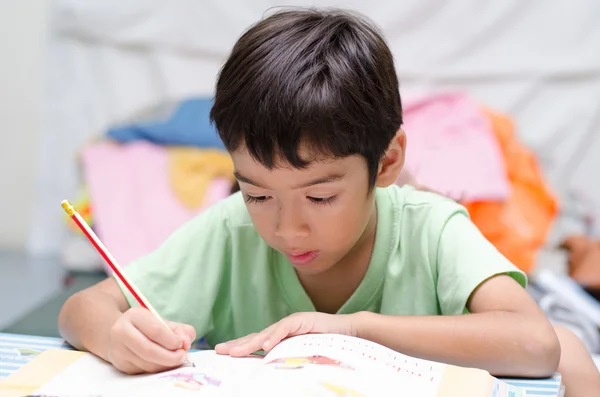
[(192, 169)]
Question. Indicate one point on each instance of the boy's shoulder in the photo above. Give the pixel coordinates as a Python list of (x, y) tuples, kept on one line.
[(233, 210), (414, 219), (414, 203)]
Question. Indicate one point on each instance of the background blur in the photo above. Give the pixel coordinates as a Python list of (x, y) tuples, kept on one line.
[(71, 70)]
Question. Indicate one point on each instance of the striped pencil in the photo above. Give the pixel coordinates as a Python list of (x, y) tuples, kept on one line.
[(116, 268)]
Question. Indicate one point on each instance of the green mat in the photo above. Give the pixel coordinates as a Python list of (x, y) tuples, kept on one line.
[(42, 320)]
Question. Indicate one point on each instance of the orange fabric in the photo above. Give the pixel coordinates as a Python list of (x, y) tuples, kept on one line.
[(518, 226)]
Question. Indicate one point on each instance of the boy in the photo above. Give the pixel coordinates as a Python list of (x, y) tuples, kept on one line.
[(309, 109)]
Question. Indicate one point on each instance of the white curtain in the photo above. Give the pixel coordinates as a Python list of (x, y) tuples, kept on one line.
[(537, 60)]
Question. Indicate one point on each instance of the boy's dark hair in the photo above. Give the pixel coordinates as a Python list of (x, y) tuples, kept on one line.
[(321, 78)]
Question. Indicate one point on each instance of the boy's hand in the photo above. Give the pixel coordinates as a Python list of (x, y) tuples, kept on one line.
[(138, 343), (295, 324)]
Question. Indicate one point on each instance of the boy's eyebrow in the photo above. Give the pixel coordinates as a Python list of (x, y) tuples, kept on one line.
[(242, 178), (325, 179)]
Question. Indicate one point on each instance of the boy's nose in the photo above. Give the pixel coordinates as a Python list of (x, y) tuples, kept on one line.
[(290, 224)]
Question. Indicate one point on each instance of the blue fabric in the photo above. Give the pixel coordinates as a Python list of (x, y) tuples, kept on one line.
[(188, 125)]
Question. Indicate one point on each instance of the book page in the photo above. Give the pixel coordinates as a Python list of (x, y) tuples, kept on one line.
[(90, 376), (336, 365), (211, 376), (87, 376), (360, 354)]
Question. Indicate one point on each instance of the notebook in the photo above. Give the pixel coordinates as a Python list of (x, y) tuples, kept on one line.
[(308, 365)]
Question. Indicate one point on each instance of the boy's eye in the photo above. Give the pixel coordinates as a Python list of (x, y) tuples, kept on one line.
[(322, 200), (255, 199)]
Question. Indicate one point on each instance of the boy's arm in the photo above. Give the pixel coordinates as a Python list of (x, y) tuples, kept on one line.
[(505, 331), (87, 317), (506, 334), (100, 321)]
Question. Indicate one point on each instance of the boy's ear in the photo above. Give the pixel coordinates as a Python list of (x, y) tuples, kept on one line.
[(392, 162)]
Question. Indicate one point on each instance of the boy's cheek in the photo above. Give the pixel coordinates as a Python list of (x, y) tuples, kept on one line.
[(266, 232), (337, 235)]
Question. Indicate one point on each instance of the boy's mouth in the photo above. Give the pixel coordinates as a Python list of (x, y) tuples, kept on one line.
[(301, 258)]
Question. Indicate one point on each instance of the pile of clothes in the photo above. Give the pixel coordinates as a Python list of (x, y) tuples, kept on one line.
[(472, 154), (145, 178)]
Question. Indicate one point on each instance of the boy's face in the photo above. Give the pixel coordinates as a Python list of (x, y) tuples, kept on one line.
[(315, 216)]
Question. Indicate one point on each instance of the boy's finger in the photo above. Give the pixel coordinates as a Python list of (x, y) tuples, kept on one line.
[(154, 330), (277, 335), (246, 345), (129, 368), (148, 366), (222, 348), (247, 348), (225, 348), (149, 351), (186, 332), (256, 342)]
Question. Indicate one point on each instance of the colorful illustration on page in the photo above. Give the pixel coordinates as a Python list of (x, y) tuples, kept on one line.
[(301, 362), (191, 381)]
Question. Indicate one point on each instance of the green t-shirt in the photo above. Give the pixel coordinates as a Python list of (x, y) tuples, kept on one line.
[(217, 274)]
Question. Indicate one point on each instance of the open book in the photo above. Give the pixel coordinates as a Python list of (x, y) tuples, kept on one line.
[(308, 365)]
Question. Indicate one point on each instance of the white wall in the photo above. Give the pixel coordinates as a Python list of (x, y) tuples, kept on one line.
[(22, 31)]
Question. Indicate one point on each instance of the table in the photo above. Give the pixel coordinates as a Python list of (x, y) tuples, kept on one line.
[(17, 350)]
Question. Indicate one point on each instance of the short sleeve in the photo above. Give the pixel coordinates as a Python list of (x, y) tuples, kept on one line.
[(466, 259), (181, 279)]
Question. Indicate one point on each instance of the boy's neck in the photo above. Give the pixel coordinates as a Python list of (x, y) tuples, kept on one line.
[(329, 290)]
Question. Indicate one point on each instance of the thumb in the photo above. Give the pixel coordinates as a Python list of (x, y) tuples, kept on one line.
[(186, 332)]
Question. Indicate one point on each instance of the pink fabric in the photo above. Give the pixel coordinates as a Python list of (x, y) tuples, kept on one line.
[(451, 147), (134, 207)]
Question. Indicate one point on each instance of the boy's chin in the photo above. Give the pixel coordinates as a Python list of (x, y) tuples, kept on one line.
[(313, 268), (308, 270)]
